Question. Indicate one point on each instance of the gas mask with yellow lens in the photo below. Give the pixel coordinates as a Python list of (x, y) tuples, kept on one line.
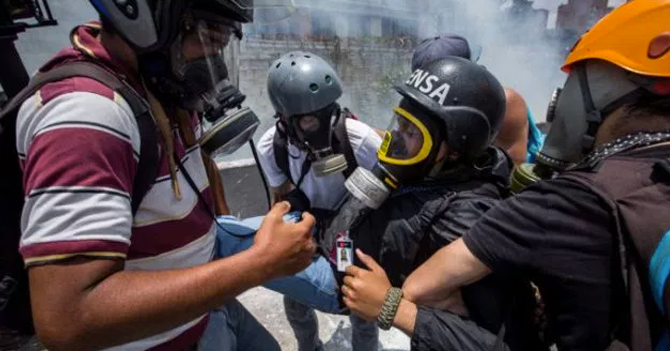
[(410, 145)]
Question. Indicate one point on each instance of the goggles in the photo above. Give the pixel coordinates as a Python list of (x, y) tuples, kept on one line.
[(407, 141), (205, 56)]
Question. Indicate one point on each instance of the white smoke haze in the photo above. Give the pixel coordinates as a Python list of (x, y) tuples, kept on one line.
[(520, 54), (369, 42), (517, 50)]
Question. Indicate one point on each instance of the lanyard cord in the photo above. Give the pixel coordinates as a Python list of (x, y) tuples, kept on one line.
[(201, 199)]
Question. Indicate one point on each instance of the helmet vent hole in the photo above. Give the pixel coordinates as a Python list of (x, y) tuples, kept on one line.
[(279, 64), (307, 56), (329, 80), (293, 63), (659, 46), (314, 87)]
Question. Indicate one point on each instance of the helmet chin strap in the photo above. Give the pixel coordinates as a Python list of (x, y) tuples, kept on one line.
[(593, 115)]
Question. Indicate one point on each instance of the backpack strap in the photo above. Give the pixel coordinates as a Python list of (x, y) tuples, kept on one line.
[(14, 297), (149, 157), (350, 114), (280, 150), (343, 144)]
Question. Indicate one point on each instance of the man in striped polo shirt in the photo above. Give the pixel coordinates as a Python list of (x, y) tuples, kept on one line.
[(100, 277)]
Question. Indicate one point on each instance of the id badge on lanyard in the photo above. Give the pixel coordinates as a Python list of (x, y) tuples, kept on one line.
[(345, 252)]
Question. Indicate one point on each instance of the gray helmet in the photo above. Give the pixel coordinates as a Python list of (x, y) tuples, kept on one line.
[(301, 82), (152, 25)]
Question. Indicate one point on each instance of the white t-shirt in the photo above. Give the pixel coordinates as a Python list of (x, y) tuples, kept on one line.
[(323, 192)]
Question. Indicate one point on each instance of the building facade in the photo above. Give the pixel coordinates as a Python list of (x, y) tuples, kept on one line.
[(580, 15), (323, 19)]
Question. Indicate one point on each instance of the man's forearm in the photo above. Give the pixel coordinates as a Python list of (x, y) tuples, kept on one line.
[(405, 318), (128, 306), (449, 269)]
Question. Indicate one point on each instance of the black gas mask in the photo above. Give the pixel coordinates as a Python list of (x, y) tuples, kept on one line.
[(592, 91), (199, 72), (313, 133)]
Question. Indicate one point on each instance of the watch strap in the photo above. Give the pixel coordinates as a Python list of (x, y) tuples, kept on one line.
[(389, 308)]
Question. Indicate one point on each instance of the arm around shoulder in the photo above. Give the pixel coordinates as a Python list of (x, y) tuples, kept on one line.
[(449, 269)]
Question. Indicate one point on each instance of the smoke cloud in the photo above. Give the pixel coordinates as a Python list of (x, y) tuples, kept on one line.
[(511, 36), (369, 42), (516, 48)]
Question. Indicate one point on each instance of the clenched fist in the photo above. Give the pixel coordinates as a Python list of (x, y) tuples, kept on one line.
[(288, 247)]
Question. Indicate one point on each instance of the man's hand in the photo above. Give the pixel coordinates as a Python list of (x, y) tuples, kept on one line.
[(365, 290), (288, 247), (93, 304)]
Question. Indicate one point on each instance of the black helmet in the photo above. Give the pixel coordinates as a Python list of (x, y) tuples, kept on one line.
[(150, 25), (206, 77), (465, 96)]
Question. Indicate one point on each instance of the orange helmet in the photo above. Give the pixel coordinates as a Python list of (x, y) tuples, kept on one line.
[(635, 37), (627, 56)]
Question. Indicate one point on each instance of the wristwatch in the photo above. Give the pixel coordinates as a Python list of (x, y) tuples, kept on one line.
[(389, 308)]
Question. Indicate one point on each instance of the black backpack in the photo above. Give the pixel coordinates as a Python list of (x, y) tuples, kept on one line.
[(15, 312), (341, 144), (637, 191)]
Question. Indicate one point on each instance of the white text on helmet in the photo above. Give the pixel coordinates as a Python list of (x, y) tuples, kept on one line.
[(425, 82)]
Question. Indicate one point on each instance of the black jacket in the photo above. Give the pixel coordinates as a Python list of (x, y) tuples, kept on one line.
[(417, 221)]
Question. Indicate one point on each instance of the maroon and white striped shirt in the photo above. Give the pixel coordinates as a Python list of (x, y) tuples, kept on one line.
[(79, 145)]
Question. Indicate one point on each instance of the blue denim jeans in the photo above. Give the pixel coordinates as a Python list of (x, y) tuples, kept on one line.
[(303, 321), (313, 288), (233, 328)]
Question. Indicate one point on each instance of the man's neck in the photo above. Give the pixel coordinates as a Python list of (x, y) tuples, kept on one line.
[(120, 51)]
